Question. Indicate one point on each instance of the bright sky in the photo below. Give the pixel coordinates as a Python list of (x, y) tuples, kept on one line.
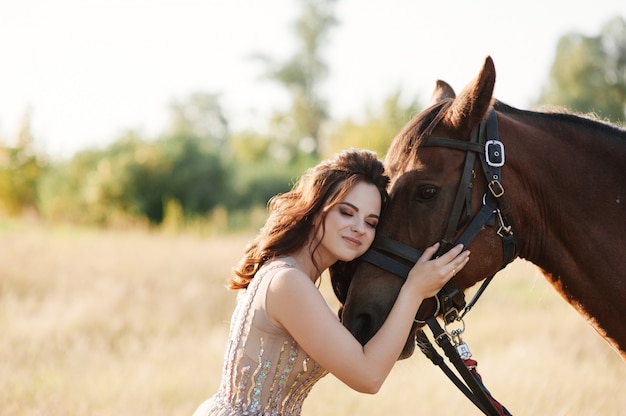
[(90, 69)]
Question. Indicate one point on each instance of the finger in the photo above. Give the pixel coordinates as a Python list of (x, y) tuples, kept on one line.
[(429, 253), (451, 254), (459, 262)]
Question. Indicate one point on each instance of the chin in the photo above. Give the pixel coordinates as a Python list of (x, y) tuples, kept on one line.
[(350, 256)]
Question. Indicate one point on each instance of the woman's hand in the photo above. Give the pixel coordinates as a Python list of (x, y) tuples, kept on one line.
[(429, 275)]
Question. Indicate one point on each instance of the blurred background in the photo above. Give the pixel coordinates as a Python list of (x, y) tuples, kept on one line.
[(148, 110), (140, 141)]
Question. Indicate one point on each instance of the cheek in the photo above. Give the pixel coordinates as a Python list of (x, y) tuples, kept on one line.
[(330, 225), (334, 221), (369, 238)]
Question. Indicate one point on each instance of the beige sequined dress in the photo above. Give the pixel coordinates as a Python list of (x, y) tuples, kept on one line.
[(265, 372)]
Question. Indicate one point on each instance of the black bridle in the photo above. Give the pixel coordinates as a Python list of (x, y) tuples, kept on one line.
[(384, 250), (485, 144)]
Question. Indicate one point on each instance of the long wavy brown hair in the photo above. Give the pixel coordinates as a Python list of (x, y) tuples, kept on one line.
[(293, 216)]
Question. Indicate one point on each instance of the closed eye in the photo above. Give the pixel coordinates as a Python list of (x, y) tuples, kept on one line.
[(372, 224), (348, 210), (346, 213)]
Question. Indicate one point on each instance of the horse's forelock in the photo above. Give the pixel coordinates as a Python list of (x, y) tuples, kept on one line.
[(404, 147)]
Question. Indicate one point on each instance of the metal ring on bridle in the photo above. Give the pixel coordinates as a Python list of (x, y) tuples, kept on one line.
[(455, 332)]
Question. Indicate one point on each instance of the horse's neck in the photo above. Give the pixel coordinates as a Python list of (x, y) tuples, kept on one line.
[(570, 195)]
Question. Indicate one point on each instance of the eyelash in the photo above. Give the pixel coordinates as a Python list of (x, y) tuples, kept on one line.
[(349, 214), (344, 212)]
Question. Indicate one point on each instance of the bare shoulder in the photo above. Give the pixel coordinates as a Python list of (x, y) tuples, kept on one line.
[(292, 294), (290, 279)]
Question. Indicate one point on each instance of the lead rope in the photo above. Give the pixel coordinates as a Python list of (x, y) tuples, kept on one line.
[(459, 355)]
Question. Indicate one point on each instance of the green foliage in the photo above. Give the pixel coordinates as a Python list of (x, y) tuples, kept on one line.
[(135, 178), (92, 187), (183, 179), (254, 183), (588, 74), (298, 128), (199, 115), (377, 129), (199, 172), (260, 168), (249, 147), (197, 178), (20, 170), (189, 177)]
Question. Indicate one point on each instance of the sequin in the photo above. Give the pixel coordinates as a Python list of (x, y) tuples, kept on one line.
[(265, 372)]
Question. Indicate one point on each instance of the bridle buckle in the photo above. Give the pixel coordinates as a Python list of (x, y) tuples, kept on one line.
[(494, 153), (451, 315), (496, 188)]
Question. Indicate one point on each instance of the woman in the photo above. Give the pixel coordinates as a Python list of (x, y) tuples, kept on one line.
[(283, 335)]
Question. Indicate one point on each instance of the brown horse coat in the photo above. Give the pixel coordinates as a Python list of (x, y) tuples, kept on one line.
[(565, 181)]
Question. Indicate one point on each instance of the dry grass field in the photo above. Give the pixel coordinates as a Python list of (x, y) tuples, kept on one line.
[(134, 323)]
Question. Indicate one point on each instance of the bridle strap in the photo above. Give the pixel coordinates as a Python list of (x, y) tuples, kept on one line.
[(485, 141), (399, 249), (450, 299), (387, 263), (464, 187), (452, 144)]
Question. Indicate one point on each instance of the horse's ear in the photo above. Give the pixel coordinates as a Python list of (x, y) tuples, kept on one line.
[(442, 91), (470, 107)]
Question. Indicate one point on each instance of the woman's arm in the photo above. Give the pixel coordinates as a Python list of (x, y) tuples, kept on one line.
[(294, 303)]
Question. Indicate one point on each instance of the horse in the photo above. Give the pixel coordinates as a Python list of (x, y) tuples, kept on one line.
[(559, 184)]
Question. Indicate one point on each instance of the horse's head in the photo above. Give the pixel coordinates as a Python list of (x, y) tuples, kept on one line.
[(423, 207)]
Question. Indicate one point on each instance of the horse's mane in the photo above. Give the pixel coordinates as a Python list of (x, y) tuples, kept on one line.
[(562, 115), (406, 143)]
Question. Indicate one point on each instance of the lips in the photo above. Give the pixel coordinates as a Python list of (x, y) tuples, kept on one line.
[(352, 241)]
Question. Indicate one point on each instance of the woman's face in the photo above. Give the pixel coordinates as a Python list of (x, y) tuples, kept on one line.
[(351, 224)]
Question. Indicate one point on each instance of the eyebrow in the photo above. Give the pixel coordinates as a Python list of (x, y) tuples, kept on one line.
[(354, 207)]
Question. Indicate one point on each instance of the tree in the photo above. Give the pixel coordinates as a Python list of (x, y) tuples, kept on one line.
[(182, 168), (588, 74), (298, 129), (199, 115), (136, 179), (256, 174), (377, 129), (93, 186), (20, 171)]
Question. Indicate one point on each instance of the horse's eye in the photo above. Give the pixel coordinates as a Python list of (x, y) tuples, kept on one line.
[(426, 193)]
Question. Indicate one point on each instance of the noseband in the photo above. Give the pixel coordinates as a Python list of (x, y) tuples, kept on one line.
[(484, 142)]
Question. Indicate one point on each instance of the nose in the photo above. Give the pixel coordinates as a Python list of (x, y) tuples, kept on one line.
[(358, 226)]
